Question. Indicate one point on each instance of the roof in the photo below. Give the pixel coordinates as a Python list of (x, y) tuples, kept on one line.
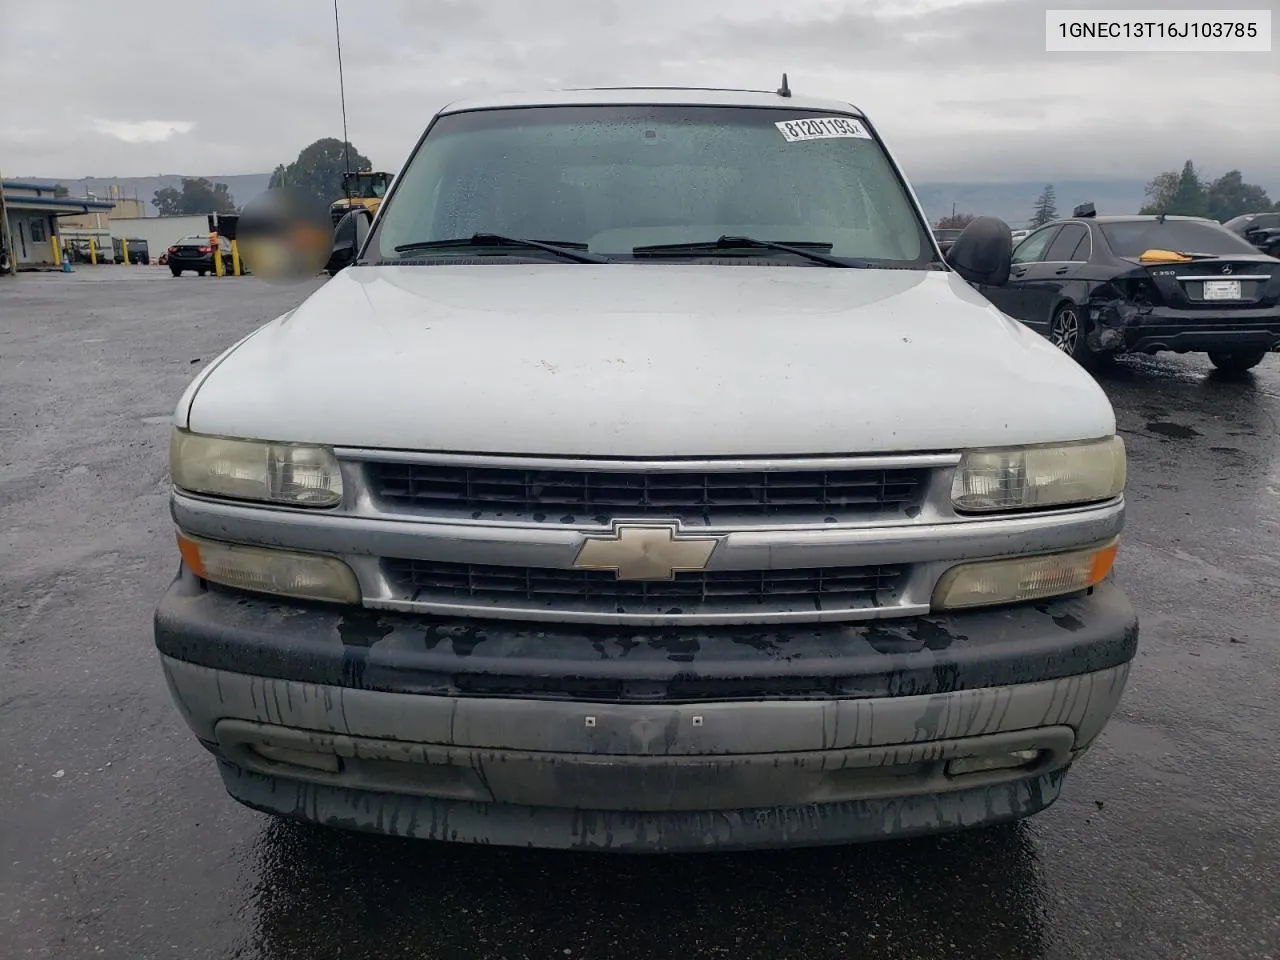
[(60, 204), (1130, 218), (687, 96), (29, 185)]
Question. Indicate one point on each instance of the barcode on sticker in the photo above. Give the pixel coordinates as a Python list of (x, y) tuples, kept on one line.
[(821, 128)]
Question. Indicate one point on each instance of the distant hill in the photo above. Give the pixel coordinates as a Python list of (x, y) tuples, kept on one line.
[(1011, 202), (243, 187)]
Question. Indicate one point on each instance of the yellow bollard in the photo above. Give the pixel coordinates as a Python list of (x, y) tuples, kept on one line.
[(235, 259), (218, 269), (93, 252), (57, 254), (124, 247)]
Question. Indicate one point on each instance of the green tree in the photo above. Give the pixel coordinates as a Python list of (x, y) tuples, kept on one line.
[(197, 195), (1160, 191), (1046, 207), (1190, 199), (1229, 196), (317, 173), (60, 190)]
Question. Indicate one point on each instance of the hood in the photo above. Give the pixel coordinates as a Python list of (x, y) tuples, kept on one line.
[(648, 360)]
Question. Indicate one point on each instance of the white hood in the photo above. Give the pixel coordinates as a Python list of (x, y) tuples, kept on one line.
[(648, 360)]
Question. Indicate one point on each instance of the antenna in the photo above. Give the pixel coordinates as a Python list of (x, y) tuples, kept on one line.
[(783, 91), (342, 93)]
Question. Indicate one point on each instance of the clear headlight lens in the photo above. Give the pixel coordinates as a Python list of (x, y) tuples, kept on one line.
[(284, 573), (1020, 478), (1024, 578), (294, 474)]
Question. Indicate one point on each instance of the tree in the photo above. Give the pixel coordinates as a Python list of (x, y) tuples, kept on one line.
[(197, 195), (317, 173), (1046, 207), (1160, 191), (1229, 196), (60, 190), (1190, 198), (957, 221)]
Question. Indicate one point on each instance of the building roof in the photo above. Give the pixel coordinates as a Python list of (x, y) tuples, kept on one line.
[(688, 96), (28, 185), (57, 205)]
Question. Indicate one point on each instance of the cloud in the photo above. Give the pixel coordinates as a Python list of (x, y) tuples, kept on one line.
[(961, 89), (143, 131)]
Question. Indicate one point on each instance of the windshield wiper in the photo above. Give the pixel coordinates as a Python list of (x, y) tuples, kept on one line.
[(801, 248), (569, 251)]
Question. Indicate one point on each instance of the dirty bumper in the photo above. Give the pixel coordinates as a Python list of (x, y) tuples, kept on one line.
[(644, 741)]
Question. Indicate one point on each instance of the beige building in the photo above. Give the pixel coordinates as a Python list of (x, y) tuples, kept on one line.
[(120, 209)]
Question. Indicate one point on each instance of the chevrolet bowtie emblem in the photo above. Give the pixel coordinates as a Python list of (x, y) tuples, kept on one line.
[(645, 551)]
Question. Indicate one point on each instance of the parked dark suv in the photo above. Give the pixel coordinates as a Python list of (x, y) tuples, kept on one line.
[(1260, 229), (195, 253), (139, 251)]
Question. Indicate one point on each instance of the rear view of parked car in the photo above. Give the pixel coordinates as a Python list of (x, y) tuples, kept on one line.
[(1099, 286), (196, 253)]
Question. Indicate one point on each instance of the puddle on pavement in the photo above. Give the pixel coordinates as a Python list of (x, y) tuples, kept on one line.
[(1175, 431)]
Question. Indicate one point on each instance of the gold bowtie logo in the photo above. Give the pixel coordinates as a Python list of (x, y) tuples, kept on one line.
[(645, 551)]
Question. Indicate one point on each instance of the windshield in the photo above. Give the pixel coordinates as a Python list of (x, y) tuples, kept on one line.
[(368, 186), (619, 177), (1133, 238)]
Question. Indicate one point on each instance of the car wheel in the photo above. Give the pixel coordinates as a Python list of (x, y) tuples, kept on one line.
[(1067, 333), (175, 271), (201, 273), (1236, 361)]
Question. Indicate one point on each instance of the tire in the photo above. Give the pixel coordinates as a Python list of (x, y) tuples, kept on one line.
[(1067, 332), (201, 273), (175, 271), (1236, 361)]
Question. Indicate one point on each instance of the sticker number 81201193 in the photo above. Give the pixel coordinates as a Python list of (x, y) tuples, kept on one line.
[(821, 128)]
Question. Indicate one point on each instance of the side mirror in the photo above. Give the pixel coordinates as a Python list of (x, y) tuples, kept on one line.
[(348, 237), (983, 253)]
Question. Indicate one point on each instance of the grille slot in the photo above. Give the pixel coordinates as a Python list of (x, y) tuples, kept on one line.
[(694, 497), (433, 581)]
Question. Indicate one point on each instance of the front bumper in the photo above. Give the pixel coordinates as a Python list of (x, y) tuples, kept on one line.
[(660, 741)]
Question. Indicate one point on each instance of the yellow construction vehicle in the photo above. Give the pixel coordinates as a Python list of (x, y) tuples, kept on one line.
[(360, 188)]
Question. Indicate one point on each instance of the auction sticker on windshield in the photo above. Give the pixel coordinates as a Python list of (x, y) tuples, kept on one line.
[(821, 128)]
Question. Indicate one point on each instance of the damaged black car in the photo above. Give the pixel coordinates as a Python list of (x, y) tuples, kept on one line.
[(1101, 286)]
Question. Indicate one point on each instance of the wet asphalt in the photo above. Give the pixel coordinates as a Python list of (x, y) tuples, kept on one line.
[(117, 840)]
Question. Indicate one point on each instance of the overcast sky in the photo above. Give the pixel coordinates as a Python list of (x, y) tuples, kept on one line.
[(962, 89)]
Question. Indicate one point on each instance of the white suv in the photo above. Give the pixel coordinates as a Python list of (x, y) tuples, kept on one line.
[(648, 482)]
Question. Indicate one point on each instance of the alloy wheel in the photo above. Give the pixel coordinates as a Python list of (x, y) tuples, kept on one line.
[(1065, 332)]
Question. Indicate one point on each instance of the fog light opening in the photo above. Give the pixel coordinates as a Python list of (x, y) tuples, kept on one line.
[(326, 762), (962, 766)]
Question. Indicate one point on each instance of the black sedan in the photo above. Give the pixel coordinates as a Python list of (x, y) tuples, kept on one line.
[(196, 253), (1099, 286)]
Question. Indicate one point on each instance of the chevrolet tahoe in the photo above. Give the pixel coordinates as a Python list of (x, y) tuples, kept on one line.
[(648, 482)]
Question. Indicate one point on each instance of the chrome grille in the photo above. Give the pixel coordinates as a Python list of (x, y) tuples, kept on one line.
[(815, 588), (697, 497)]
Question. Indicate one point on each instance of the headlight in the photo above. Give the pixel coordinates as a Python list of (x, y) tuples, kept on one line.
[(308, 576), (1020, 478), (1023, 578), (295, 474)]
